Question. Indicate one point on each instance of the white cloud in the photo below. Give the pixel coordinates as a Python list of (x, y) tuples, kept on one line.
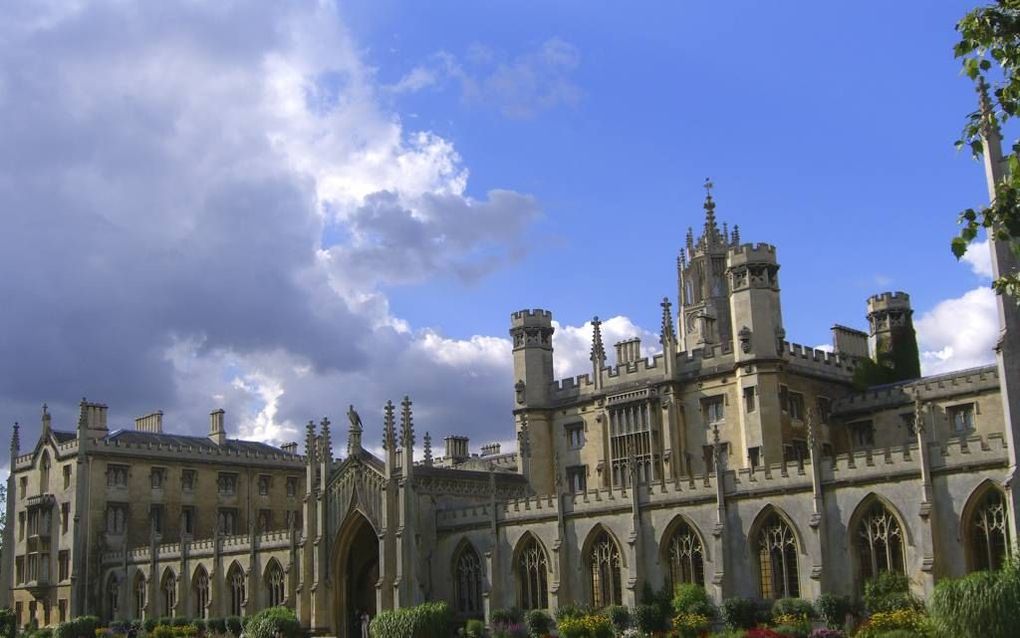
[(959, 333), (979, 258), (572, 344)]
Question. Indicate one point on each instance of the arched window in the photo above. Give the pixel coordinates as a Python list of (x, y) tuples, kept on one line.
[(140, 591), (112, 596), (986, 531), (169, 589), (532, 575), (44, 473), (235, 582), (467, 581), (879, 540), (200, 589), (274, 585), (686, 557), (777, 558), (604, 567)]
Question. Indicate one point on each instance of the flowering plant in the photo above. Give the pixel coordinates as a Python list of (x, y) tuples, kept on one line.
[(909, 619), (691, 624)]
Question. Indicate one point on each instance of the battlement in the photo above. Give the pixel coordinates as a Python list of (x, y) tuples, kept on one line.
[(888, 301), (942, 386), (752, 253), (533, 317), (819, 361)]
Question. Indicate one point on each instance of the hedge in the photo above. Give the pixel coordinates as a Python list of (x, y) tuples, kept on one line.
[(428, 620)]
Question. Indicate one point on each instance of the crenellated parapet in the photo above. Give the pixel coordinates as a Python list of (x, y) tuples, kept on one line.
[(934, 388), (833, 365)]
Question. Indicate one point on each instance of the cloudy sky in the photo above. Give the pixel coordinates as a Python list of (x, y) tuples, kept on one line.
[(284, 208)]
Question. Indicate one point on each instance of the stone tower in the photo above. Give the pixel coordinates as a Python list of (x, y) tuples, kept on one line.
[(531, 332), (704, 315), (893, 342)]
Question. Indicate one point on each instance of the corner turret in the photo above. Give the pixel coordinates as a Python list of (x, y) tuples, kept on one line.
[(753, 273), (892, 340), (532, 331)]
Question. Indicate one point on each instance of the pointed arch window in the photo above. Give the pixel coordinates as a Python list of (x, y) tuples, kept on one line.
[(235, 582), (777, 559), (686, 557), (201, 593), (169, 590), (467, 583), (113, 596), (879, 540), (140, 591), (987, 532), (44, 473), (275, 595), (604, 568), (532, 576)]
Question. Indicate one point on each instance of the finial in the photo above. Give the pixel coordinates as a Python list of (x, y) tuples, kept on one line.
[(690, 240), (711, 235), (598, 349), (523, 438), (45, 410), (406, 424), (428, 449), (736, 234), (15, 441), (327, 440), (389, 427), (708, 187), (666, 334), (354, 431)]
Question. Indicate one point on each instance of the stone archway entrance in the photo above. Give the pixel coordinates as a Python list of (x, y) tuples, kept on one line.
[(356, 571)]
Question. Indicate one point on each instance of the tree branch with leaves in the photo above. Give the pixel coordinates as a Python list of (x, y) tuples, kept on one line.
[(990, 45)]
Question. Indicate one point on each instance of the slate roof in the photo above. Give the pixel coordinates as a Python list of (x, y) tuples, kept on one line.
[(134, 437), (63, 437)]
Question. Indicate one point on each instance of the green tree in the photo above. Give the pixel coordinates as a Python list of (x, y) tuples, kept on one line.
[(989, 49)]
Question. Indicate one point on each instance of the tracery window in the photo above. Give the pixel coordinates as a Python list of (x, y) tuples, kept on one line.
[(274, 585), (113, 595), (879, 541), (201, 591), (235, 581), (467, 584), (169, 593), (44, 474), (532, 576), (140, 591), (686, 557), (604, 566), (777, 559), (987, 532)]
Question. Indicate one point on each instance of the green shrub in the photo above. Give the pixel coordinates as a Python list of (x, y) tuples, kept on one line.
[(216, 625), (651, 619), (900, 633), (8, 623), (888, 592), (569, 612), (538, 622), (149, 625), (509, 616), (200, 624), (428, 620), (619, 616), (794, 606), (474, 629), (693, 599), (179, 621), (833, 609), (985, 604), (162, 631), (281, 620), (744, 613), (234, 625), (589, 626), (790, 631)]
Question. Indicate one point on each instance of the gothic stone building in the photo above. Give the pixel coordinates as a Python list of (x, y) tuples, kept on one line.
[(732, 458)]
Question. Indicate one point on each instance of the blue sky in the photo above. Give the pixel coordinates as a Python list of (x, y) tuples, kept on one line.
[(826, 127), (284, 209)]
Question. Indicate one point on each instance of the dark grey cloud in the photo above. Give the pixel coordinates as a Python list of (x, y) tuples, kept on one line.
[(167, 173)]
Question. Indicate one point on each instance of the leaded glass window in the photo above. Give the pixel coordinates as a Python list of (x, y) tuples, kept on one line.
[(274, 585), (532, 576), (235, 581), (988, 534), (604, 566), (777, 559), (879, 541), (201, 594), (686, 557), (467, 582)]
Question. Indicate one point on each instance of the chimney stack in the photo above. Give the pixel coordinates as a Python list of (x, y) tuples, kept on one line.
[(217, 432), (456, 448), (490, 449), (289, 448), (92, 416), (150, 422), (628, 351)]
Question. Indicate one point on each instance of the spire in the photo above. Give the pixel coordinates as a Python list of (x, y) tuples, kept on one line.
[(428, 449), (711, 234), (46, 420), (406, 424), (666, 334), (327, 442), (389, 428), (354, 431), (310, 441), (598, 349), (690, 240), (15, 443)]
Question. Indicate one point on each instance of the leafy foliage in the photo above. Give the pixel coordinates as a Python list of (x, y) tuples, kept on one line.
[(538, 622), (234, 625), (889, 591), (651, 619), (215, 625), (744, 613), (619, 616), (506, 616), (428, 620), (833, 609), (990, 36), (980, 604), (905, 619), (826, 632), (8, 623), (474, 628), (586, 626), (693, 599), (279, 621), (793, 607)]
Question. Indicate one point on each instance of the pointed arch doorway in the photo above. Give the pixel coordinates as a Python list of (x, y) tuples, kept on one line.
[(357, 570)]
